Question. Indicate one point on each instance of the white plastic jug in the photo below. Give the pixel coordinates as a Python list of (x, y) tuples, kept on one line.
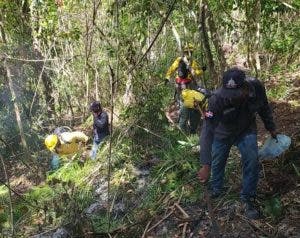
[(272, 148)]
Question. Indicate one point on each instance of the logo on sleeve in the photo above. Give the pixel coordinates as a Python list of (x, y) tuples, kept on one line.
[(208, 114)]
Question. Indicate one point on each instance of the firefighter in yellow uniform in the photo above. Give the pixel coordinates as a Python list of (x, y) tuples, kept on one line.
[(194, 99), (186, 69), (66, 143)]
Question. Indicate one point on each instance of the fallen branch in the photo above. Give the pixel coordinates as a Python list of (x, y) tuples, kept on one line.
[(181, 210), (184, 229), (254, 225), (222, 200), (146, 229), (155, 37), (160, 221)]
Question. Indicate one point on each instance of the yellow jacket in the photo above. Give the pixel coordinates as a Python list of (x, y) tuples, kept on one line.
[(193, 99), (174, 67), (70, 142)]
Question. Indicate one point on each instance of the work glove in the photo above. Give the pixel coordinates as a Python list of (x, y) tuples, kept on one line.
[(204, 173), (203, 68), (166, 81)]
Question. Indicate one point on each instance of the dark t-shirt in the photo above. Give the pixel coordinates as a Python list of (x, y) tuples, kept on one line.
[(101, 126)]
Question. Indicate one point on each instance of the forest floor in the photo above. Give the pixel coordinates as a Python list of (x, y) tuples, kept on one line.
[(278, 190), (278, 195)]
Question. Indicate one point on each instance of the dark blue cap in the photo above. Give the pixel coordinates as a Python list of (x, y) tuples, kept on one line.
[(95, 106), (233, 80)]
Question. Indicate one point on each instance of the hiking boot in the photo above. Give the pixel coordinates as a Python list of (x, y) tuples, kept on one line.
[(249, 210)]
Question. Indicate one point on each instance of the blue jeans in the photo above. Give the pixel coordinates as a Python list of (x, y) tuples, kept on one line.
[(95, 147), (248, 148), (55, 162)]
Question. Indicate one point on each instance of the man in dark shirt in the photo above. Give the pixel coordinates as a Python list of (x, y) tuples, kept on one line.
[(100, 127), (230, 120)]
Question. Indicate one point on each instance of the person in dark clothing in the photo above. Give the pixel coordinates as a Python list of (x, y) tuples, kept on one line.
[(100, 127), (230, 119)]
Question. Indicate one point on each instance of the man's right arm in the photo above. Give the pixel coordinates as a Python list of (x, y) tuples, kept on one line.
[(206, 140), (211, 120)]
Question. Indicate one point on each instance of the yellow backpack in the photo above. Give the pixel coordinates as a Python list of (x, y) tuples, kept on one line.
[(194, 99)]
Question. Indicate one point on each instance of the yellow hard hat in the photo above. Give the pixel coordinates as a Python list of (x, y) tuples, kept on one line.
[(51, 141), (189, 47)]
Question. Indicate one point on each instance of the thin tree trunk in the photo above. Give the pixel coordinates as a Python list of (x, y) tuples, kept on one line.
[(217, 42), (256, 21), (10, 197), (48, 86), (206, 46), (177, 36), (16, 108), (97, 84), (14, 96), (68, 97), (86, 61), (248, 33)]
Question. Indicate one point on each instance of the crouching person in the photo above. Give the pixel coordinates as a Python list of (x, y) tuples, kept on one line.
[(100, 127), (64, 144), (230, 120)]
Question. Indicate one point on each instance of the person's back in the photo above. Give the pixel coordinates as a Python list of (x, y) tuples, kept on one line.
[(64, 144), (71, 142)]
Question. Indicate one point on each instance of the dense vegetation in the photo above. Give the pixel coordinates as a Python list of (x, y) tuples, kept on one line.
[(58, 56)]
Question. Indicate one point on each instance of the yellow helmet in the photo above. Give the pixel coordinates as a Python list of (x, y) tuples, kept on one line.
[(189, 47), (51, 141)]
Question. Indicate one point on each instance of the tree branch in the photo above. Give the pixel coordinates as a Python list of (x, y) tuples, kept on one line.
[(155, 38)]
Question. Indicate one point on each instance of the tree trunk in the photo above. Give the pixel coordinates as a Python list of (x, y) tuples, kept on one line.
[(48, 86), (256, 24), (217, 42), (253, 16), (9, 195), (14, 96), (128, 97), (206, 46), (16, 108)]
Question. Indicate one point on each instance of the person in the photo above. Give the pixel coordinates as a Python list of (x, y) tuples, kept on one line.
[(100, 127), (195, 100), (64, 144), (230, 119), (187, 69)]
